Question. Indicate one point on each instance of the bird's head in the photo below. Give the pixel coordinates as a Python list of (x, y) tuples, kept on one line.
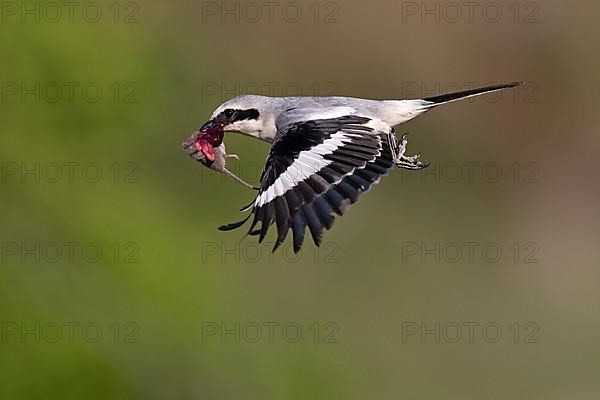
[(241, 114)]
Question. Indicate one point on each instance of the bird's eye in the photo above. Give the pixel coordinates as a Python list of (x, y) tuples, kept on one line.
[(228, 113)]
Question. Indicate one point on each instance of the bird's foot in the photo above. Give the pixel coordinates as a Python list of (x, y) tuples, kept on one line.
[(411, 162), (234, 156), (403, 161)]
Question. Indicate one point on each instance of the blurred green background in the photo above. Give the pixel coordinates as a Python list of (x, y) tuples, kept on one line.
[(170, 308)]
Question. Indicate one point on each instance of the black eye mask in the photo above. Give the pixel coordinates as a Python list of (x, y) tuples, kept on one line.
[(230, 115)]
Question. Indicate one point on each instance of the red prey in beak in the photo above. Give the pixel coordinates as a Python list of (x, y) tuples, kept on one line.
[(206, 145), (210, 136)]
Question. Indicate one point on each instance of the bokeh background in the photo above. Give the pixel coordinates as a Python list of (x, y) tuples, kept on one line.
[(170, 307)]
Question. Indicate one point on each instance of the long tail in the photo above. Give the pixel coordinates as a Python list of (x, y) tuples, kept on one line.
[(450, 97), (401, 111)]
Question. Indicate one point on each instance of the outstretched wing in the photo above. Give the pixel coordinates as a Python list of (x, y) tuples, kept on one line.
[(315, 169)]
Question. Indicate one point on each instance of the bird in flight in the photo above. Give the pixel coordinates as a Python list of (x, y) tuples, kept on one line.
[(325, 152)]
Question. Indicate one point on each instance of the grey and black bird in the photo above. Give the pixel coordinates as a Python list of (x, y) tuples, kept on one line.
[(325, 152)]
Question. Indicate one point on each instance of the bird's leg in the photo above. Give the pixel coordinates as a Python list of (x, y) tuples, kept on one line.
[(234, 156), (238, 179), (398, 150)]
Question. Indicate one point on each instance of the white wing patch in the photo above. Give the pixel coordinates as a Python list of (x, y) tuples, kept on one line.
[(308, 163)]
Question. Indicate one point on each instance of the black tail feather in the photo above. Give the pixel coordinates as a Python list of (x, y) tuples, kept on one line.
[(446, 98), (234, 225)]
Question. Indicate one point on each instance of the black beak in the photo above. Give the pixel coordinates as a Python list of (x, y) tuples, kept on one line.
[(207, 125)]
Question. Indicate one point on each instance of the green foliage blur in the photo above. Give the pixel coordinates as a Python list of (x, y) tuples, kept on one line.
[(115, 283)]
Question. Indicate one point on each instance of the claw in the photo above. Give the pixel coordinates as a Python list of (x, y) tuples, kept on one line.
[(234, 156), (411, 165), (413, 159)]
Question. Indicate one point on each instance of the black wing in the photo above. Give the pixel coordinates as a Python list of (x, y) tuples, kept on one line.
[(315, 169)]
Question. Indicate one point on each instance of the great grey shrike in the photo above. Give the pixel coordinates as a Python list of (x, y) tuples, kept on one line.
[(325, 152)]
